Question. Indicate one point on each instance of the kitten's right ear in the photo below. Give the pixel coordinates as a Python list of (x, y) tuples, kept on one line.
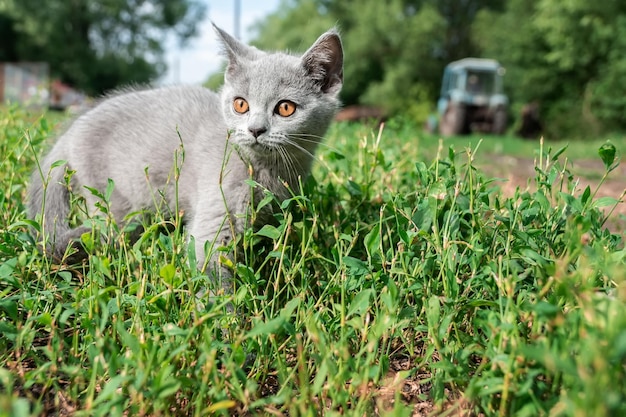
[(324, 62), (234, 50)]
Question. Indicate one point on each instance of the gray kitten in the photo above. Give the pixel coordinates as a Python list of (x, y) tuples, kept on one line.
[(265, 124)]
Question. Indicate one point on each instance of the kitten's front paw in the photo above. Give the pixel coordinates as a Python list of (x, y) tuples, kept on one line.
[(68, 248)]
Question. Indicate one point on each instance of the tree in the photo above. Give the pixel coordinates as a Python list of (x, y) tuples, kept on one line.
[(569, 56), (586, 44), (395, 49), (398, 68), (95, 45)]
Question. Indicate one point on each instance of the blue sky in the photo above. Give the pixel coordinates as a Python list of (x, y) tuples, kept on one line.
[(194, 63)]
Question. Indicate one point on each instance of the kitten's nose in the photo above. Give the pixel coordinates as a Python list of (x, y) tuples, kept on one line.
[(257, 131)]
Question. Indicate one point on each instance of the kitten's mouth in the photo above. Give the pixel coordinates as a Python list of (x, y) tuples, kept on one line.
[(259, 148)]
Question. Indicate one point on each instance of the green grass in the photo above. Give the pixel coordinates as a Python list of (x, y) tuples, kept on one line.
[(403, 280), (498, 145)]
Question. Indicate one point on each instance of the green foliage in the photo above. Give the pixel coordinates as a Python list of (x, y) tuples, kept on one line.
[(215, 80), (403, 58), (96, 46), (294, 26), (566, 55), (392, 272), (395, 50)]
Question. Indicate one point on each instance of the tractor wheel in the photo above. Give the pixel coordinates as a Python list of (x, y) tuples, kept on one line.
[(499, 121), (453, 120)]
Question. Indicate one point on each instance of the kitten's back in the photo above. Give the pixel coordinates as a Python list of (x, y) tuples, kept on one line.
[(130, 137)]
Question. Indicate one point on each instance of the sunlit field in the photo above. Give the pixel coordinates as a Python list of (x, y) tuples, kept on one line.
[(414, 276)]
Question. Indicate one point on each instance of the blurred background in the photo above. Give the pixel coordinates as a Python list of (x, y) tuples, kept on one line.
[(564, 60)]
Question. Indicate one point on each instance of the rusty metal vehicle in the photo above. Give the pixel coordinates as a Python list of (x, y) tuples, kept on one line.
[(471, 98)]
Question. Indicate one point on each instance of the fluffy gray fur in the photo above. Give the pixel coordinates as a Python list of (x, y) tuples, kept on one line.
[(138, 132)]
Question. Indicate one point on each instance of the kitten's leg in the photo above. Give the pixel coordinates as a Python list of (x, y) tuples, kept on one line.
[(211, 228), (118, 208), (217, 220), (70, 243)]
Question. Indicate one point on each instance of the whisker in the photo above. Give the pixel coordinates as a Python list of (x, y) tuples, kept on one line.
[(297, 164), (301, 137), (301, 148), (294, 166), (291, 170), (313, 156), (308, 134)]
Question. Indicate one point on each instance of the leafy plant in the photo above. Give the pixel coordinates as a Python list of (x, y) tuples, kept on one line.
[(392, 285)]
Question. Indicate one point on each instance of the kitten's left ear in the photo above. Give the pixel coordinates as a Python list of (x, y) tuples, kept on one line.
[(324, 62), (235, 50)]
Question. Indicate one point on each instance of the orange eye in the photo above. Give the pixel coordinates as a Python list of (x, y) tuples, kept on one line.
[(240, 105), (285, 108)]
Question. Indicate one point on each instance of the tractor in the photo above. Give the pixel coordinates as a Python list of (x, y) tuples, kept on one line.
[(471, 98)]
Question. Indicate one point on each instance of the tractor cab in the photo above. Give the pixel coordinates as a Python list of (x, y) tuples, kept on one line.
[(471, 97)]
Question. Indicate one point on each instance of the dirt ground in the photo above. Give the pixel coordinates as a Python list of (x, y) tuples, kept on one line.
[(520, 172)]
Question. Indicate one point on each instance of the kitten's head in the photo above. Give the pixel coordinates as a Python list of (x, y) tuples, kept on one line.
[(279, 104)]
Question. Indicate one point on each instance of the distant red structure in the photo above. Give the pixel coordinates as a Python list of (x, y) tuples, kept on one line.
[(360, 113), (63, 97)]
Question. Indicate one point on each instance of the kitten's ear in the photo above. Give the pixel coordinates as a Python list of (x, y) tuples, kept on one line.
[(234, 50), (324, 62)]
